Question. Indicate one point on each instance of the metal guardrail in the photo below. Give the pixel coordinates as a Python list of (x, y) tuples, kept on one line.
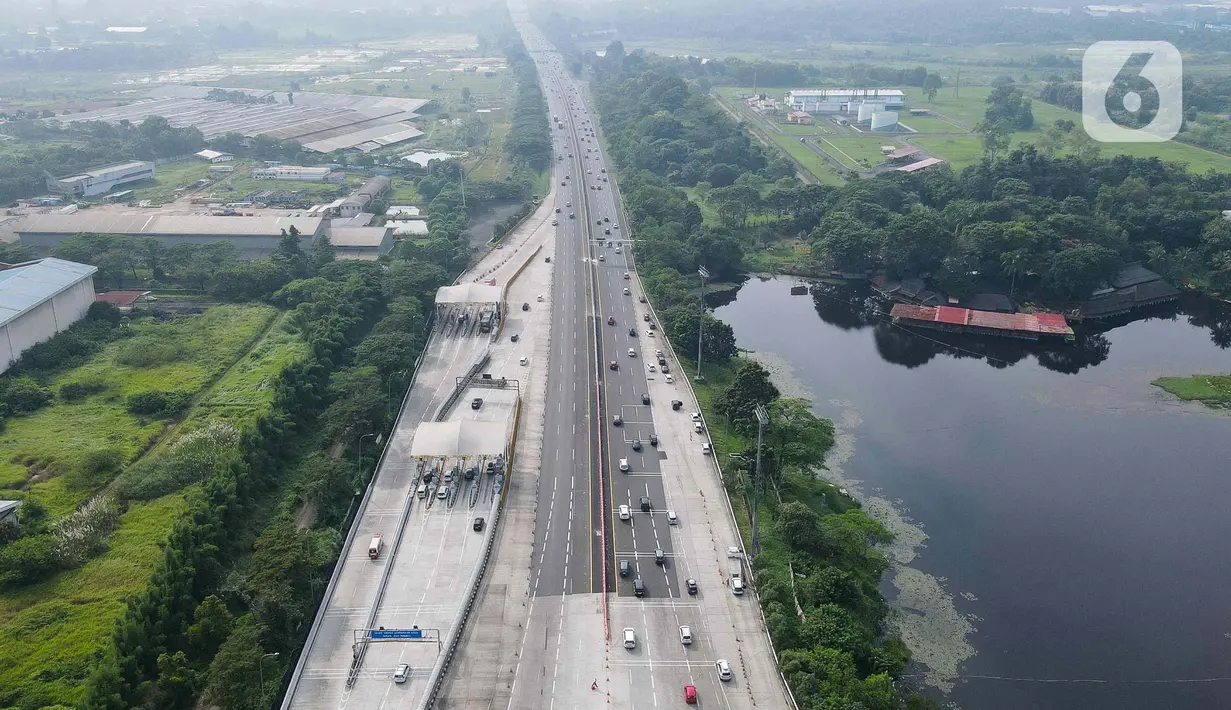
[(461, 386)]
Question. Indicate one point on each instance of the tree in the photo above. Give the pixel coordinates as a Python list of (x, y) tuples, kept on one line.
[(1075, 272), (1082, 146), (931, 84), (235, 670), (323, 252), (750, 388), (290, 252), (995, 137), (212, 624), (466, 94)]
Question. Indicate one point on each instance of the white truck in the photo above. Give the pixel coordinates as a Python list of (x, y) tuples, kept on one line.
[(735, 569)]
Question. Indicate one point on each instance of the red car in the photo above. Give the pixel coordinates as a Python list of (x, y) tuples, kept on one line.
[(690, 694)]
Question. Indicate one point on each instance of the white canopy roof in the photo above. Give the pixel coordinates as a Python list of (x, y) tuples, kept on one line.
[(460, 437), (469, 293)]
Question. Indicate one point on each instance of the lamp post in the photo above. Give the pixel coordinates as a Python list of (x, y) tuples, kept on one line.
[(389, 390), (360, 456), (261, 665), (762, 420), (704, 274)]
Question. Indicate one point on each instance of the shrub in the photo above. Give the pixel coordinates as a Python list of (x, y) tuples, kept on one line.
[(191, 459), (158, 404), (84, 533), (149, 351), (95, 468), (22, 395), (77, 391), (105, 312), (28, 560)]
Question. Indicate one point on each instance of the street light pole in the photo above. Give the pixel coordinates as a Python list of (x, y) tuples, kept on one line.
[(360, 456), (704, 274), (261, 665), (762, 420)]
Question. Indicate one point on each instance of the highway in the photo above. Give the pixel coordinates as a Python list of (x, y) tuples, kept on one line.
[(563, 644)]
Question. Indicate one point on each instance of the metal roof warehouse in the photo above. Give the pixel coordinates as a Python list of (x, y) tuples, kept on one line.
[(253, 235)]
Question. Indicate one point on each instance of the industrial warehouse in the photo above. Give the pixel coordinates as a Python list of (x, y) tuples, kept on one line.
[(320, 122)]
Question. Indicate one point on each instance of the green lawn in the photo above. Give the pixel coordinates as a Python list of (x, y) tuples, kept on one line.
[(1213, 390), (930, 124), (866, 150), (814, 129), (812, 162), (489, 164), (185, 354), (403, 192)]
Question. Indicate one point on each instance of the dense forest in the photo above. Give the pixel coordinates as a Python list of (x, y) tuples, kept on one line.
[(665, 136)]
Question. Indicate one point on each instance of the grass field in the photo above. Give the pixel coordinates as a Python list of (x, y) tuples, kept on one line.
[(185, 354), (403, 193), (241, 185), (866, 150), (929, 124), (812, 162), (814, 129), (169, 176), (51, 632), (489, 164)]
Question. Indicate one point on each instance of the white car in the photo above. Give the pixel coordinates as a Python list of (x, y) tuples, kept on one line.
[(402, 673), (705, 449), (632, 353), (670, 379), (650, 368), (625, 513), (696, 416), (624, 467), (724, 669), (525, 361), (625, 275), (626, 292), (672, 518), (540, 298), (685, 635), (658, 353), (630, 637)]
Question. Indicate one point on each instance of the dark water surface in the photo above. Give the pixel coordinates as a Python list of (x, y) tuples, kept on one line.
[(1079, 514)]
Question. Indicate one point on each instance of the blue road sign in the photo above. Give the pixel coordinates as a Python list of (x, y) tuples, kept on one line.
[(397, 633)]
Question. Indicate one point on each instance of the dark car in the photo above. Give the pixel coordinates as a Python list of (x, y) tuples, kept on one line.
[(692, 586), (476, 403), (662, 361), (614, 365), (606, 231), (653, 439), (665, 369), (514, 338), (548, 260), (471, 473), (525, 306), (478, 524), (557, 210), (660, 557), (624, 568), (636, 444), (642, 300), (645, 398), (611, 320), (632, 332), (645, 503), (676, 404), (646, 317)]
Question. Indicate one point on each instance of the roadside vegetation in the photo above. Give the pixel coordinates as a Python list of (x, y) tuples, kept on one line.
[(818, 569)]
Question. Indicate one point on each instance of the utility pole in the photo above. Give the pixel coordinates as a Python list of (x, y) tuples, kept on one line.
[(762, 420), (704, 274), (262, 667), (360, 456)]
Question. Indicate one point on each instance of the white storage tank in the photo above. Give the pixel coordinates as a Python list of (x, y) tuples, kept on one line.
[(885, 121)]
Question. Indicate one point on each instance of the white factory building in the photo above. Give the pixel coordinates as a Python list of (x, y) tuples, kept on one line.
[(101, 180), (831, 101), (39, 299), (254, 236)]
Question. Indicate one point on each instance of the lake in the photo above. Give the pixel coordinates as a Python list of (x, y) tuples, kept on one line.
[(1062, 524)]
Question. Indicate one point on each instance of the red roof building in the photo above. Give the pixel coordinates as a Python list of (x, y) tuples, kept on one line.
[(124, 300), (1029, 326)]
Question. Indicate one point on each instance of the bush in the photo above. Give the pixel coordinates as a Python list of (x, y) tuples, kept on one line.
[(105, 312), (191, 459), (95, 468), (158, 404), (28, 560), (22, 395), (77, 391)]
